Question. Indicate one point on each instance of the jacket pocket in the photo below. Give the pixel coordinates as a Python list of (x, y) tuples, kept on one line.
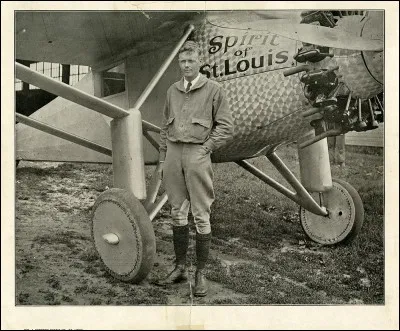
[(200, 128)]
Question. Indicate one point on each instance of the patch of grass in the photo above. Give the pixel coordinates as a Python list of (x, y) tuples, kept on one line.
[(262, 284), (77, 265), (51, 298), (89, 255), (249, 212), (39, 172), (111, 292), (373, 199), (81, 289), (65, 209), (124, 294), (22, 298), (94, 289), (67, 298), (111, 280), (223, 301), (68, 238), (25, 266), (139, 295), (64, 190), (91, 270), (96, 302), (54, 282), (369, 150)]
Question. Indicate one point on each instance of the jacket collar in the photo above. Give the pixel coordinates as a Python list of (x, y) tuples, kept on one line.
[(193, 82), (202, 80)]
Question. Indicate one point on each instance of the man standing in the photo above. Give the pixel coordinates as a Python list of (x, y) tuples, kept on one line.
[(196, 121)]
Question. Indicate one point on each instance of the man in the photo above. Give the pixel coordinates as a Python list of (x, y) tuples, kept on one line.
[(196, 121)]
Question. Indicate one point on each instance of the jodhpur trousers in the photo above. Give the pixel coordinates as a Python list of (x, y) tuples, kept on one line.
[(188, 180)]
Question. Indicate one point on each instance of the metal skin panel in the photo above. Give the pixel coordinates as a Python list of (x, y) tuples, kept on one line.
[(265, 105), (266, 111)]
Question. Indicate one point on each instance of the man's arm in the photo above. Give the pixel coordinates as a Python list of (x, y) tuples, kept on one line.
[(163, 132), (223, 125)]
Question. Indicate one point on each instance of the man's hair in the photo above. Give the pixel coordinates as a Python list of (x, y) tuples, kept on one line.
[(190, 46)]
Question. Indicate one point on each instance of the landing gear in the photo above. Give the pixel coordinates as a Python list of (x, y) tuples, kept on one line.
[(345, 219), (123, 235), (331, 217)]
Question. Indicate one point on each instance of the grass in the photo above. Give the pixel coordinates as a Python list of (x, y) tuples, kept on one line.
[(263, 218), (273, 261), (68, 238)]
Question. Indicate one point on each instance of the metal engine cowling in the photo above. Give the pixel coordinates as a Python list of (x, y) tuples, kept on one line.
[(361, 72)]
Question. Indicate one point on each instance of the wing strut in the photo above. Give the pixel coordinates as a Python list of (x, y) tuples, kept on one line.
[(75, 95), (62, 134)]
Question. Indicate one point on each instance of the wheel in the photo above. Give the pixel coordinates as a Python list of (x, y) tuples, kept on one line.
[(346, 215), (123, 235)]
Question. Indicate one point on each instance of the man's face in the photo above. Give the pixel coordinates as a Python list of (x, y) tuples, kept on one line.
[(190, 64)]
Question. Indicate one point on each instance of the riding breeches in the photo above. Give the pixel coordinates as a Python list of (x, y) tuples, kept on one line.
[(188, 179)]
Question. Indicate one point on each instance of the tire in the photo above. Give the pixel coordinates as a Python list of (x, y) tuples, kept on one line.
[(345, 220), (117, 211)]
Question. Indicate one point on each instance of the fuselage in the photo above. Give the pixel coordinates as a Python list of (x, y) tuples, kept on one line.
[(267, 106)]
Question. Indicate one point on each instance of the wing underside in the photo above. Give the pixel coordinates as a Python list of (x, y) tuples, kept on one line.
[(90, 37)]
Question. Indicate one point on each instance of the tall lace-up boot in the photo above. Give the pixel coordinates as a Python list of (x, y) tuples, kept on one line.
[(202, 250), (181, 242)]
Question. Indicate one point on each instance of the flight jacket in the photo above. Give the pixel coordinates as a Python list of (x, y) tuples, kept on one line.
[(200, 116)]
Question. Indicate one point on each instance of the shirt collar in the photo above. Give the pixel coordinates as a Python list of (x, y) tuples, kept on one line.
[(194, 81)]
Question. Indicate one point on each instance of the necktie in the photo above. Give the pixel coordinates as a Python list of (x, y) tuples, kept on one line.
[(188, 86)]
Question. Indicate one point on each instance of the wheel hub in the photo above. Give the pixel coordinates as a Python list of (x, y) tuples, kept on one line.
[(115, 238), (337, 225)]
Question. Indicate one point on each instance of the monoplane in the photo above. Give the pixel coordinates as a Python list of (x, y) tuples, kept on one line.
[(289, 76)]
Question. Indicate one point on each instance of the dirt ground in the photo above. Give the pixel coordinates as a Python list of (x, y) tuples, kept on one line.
[(273, 263), (56, 261)]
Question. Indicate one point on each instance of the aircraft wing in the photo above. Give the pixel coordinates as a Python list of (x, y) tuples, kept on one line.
[(88, 37)]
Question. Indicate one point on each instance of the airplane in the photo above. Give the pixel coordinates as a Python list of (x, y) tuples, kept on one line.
[(289, 76)]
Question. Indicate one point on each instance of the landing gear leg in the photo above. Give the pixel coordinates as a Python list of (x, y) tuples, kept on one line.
[(121, 228), (342, 202)]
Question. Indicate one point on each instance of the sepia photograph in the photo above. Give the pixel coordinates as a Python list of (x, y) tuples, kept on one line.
[(194, 166)]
